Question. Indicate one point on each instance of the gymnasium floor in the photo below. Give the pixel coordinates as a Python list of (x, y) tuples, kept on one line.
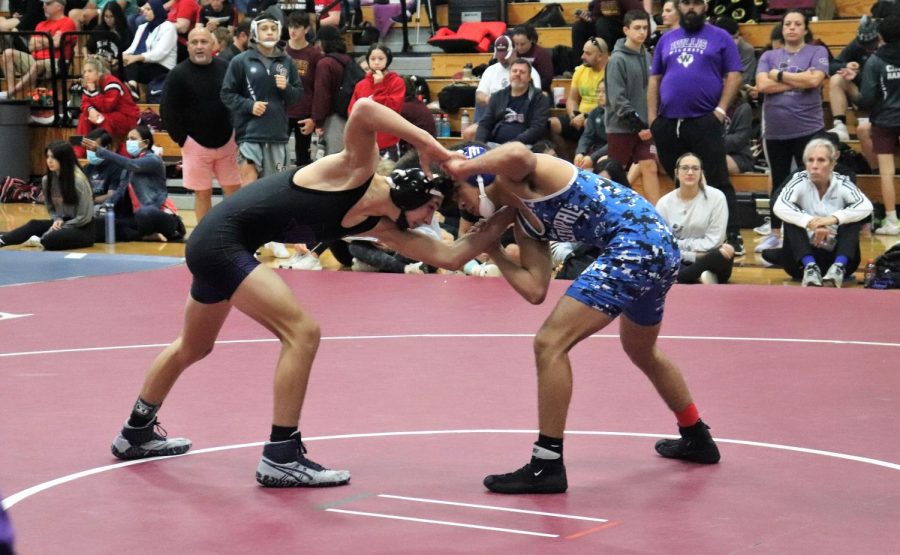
[(423, 385)]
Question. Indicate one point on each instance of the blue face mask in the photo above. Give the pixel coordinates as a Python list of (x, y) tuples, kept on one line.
[(93, 159), (133, 146)]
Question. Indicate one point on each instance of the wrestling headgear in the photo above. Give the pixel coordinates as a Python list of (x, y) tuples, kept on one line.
[(265, 16), (486, 207), (411, 188)]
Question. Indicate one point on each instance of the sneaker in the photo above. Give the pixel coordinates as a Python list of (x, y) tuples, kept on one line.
[(834, 277), (33, 241), (708, 278), (695, 445), (769, 242), (538, 476), (889, 228), (812, 276), (148, 441), (765, 228), (283, 465), (840, 129), (736, 241), (306, 261)]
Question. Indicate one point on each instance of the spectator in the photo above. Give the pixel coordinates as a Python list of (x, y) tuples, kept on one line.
[(306, 56), (698, 216), (28, 12), (184, 14), (415, 111), (106, 178), (105, 103), (822, 213), (525, 39), (153, 218), (669, 16), (152, 53), (495, 78), (239, 41), (108, 47), (612, 169), (330, 19), (745, 49), (604, 20), (587, 80), (217, 13), (594, 142), (329, 75), (846, 74), (384, 87), (37, 65), (517, 113), (881, 94), (688, 94), (627, 74), (69, 203), (791, 79), (197, 119), (739, 134), (222, 40)]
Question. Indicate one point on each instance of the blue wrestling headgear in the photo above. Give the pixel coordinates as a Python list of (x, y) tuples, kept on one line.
[(486, 208)]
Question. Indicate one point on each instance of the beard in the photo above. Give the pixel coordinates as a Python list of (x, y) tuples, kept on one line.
[(691, 22)]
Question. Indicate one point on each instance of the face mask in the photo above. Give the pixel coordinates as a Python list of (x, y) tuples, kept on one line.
[(133, 147), (93, 159), (268, 43)]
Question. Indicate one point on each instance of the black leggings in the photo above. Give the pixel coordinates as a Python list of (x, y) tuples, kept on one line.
[(61, 239), (712, 261), (143, 72), (301, 143), (780, 154), (796, 245)]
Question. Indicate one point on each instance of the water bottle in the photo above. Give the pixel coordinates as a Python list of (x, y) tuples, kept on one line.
[(438, 126), (869, 274), (109, 218), (445, 125), (313, 146), (464, 121), (467, 71), (320, 148)]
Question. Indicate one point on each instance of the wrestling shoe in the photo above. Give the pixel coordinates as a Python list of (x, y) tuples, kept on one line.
[(695, 445), (834, 277), (147, 441), (538, 476), (812, 276), (283, 465)]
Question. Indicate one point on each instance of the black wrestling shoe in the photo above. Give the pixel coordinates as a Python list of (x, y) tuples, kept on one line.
[(696, 445), (538, 476)]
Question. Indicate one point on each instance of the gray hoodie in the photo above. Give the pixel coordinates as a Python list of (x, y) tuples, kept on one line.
[(627, 73)]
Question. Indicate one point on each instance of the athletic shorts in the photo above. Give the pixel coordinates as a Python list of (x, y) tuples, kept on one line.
[(200, 164), (629, 279), (885, 139), (626, 148), (269, 158), (569, 131)]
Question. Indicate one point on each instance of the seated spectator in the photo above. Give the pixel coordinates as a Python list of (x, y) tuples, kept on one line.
[(881, 93), (822, 213), (153, 219), (698, 216), (37, 65), (330, 19), (524, 38), (105, 103), (108, 181), (611, 169), (517, 113), (384, 87), (184, 14), (108, 48), (593, 142), (240, 39), (216, 14), (846, 74), (586, 82), (69, 202), (604, 19), (153, 51), (739, 134), (223, 38)]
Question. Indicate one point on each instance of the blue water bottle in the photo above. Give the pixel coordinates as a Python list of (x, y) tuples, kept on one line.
[(110, 221)]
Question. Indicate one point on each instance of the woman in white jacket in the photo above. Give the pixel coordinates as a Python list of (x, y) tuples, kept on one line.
[(698, 216), (822, 213), (153, 51)]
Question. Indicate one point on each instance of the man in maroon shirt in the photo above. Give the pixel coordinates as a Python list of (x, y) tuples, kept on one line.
[(306, 56)]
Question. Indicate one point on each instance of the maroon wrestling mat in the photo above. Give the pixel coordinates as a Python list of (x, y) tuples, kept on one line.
[(423, 385)]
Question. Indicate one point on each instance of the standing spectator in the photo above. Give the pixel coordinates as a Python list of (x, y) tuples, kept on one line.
[(329, 75), (695, 74), (238, 42), (587, 80), (37, 65), (627, 75), (516, 113), (525, 39), (69, 202), (495, 78), (822, 213), (152, 53), (384, 87), (184, 14), (698, 215), (105, 103), (745, 49), (791, 79), (604, 19), (197, 119), (306, 56), (846, 74)]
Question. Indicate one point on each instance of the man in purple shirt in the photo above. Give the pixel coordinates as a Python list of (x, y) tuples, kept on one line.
[(695, 74)]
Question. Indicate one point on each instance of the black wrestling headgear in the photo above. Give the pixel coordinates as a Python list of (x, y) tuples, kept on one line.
[(411, 188)]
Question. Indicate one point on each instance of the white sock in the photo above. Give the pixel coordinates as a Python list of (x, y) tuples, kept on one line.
[(891, 216)]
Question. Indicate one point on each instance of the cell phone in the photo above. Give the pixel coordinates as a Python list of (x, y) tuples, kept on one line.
[(75, 140), (578, 12)]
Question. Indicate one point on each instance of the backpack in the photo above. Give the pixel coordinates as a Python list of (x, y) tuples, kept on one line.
[(353, 74), (887, 270), (550, 16), (565, 59), (17, 190)]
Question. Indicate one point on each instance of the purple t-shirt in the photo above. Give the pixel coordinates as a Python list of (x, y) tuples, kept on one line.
[(797, 112), (693, 67)]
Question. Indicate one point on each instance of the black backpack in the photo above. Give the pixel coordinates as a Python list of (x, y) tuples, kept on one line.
[(353, 74), (887, 270)]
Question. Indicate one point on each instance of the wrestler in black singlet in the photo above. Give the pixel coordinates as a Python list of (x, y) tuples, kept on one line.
[(220, 251)]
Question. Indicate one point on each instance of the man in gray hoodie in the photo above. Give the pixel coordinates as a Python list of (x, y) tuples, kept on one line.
[(628, 134)]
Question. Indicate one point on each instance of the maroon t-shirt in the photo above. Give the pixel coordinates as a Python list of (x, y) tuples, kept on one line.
[(305, 60)]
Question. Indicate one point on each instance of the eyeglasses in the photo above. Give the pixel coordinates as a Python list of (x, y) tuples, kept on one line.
[(695, 169)]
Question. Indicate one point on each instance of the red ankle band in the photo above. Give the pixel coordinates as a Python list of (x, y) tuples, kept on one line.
[(688, 416)]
